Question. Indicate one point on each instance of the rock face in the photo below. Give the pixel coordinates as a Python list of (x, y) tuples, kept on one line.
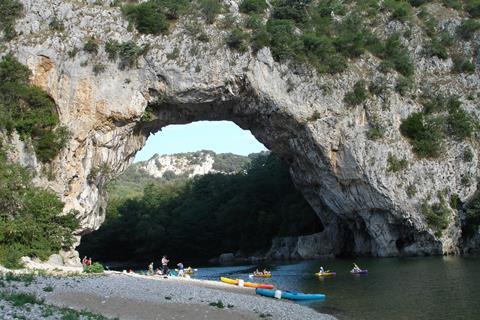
[(226, 257), (314, 246), (343, 174), (188, 164)]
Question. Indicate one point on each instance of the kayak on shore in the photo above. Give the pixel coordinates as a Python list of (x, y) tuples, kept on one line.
[(291, 295), (236, 282)]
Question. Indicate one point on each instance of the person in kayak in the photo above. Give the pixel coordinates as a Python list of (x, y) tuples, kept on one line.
[(165, 265), (356, 268), (321, 270)]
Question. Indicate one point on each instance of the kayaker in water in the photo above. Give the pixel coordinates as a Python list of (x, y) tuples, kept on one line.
[(321, 270), (356, 268), (165, 265)]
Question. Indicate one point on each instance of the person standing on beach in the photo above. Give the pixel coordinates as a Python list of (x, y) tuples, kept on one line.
[(181, 272), (150, 269), (165, 265)]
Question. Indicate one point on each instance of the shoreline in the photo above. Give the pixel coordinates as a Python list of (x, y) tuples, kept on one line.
[(132, 296)]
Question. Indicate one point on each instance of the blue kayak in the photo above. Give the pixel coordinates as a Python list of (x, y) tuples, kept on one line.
[(290, 294)]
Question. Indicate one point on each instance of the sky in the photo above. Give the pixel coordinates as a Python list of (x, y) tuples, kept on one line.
[(218, 136)]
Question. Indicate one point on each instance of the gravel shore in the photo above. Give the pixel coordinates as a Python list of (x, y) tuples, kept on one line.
[(126, 296)]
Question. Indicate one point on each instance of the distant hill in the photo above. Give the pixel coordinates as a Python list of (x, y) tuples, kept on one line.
[(175, 167), (191, 164)]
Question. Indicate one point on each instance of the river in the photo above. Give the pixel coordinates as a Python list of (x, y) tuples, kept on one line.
[(395, 288)]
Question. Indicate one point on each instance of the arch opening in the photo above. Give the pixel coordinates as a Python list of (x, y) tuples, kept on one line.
[(212, 189)]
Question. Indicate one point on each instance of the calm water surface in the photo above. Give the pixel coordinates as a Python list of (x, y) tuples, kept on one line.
[(395, 288)]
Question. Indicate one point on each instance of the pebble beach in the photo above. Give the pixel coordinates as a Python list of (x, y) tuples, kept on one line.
[(131, 296)]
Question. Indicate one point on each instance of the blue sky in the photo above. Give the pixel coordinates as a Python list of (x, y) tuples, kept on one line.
[(219, 136)]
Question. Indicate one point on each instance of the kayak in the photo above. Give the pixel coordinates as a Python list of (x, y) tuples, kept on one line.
[(268, 275), (327, 273), (247, 284), (359, 272), (291, 295), (186, 271)]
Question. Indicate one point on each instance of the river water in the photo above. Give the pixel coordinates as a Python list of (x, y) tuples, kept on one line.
[(395, 288)]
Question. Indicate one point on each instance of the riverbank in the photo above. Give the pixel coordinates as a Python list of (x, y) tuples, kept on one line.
[(130, 296)]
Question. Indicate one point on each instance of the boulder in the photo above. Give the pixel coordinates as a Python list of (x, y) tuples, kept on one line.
[(226, 258)]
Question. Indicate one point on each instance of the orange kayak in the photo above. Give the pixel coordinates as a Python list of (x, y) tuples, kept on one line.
[(247, 284)]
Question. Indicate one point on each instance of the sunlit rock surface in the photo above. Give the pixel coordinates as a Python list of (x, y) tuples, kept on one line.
[(297, 114)]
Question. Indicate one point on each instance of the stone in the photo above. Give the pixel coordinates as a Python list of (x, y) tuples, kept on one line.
[(70, 258), (314, 246), (226, 257), (55, 260)]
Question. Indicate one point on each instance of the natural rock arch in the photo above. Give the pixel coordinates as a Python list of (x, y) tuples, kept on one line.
[(296, 113)]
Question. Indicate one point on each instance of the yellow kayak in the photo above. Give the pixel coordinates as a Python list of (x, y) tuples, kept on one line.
[(326, 273), (260, 275), (247, 284)]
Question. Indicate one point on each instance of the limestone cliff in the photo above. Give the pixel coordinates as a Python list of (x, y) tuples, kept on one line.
[(298, 114), (190, 164)]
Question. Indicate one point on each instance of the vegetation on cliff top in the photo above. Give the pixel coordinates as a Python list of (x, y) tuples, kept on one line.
[(204, 217), (29, 111)]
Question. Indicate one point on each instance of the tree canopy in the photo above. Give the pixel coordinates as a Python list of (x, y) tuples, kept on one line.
[(206, 216)]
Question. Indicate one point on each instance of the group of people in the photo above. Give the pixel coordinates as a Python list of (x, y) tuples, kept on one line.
[(86, 261), (164, 269), (261, 273)]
